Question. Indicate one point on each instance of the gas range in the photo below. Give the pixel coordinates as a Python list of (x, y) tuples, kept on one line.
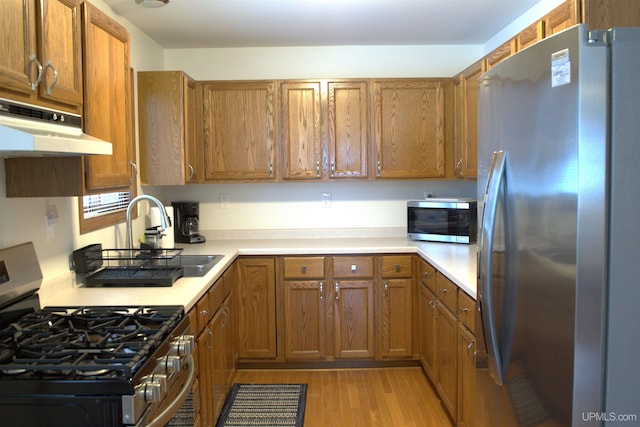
[(93, 366)]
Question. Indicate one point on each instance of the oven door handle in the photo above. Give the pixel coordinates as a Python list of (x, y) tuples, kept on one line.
[(169, 412)]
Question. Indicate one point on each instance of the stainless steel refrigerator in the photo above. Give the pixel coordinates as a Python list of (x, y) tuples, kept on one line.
[(559, 258)]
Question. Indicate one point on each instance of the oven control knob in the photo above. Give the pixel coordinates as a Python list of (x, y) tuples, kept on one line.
[(149, 392), (183, 345), (159, 379), (168, 365)]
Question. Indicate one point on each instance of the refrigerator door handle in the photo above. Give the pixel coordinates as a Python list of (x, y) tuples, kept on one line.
[(485, 265)]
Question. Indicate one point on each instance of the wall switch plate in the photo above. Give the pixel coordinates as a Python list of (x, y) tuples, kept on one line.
[(224, 201), (326, 200)]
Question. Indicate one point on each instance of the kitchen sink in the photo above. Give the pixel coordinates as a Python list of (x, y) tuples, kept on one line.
[(197, 265)]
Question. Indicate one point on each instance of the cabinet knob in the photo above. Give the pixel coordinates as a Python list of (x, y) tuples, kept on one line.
[(425, 274), (304, 269), (398, 268), (354, 268)]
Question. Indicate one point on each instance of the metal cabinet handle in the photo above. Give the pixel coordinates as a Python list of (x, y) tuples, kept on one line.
[(34, 85), (48, 64), (337, 289), (443, 291), (333, 169), (321, 290), (191, 172), (425, 274), (459, 167), (379, 168), (317, 168), (270, 170), (398, 268), (386, 289), (304, 269), (135, 172)]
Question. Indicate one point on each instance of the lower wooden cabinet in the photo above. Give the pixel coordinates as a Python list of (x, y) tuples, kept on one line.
[(395, 305), (466, 376), (256, 303), (304, 320), (216, 349), (427, 331), (447, 358)]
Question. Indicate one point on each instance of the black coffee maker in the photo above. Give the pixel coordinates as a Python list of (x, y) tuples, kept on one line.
[(185, 225)]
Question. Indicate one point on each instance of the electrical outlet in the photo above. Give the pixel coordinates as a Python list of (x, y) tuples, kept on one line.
[(428, 194), (50, 220), (326, 200), (224, 201)]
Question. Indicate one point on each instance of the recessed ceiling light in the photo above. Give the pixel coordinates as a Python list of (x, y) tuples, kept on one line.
[(152, 3)]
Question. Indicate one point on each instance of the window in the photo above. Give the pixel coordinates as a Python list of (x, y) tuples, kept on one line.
[(95, 205)]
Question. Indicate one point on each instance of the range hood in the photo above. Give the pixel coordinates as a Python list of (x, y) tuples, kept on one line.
[(31, 131)]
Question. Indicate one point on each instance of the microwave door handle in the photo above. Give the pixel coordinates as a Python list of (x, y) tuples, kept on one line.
[(485, 264)]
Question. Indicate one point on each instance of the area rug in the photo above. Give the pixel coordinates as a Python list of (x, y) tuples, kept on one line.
[(264, 405)]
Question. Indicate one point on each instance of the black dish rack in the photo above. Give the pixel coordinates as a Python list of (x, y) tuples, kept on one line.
[(127, 267)]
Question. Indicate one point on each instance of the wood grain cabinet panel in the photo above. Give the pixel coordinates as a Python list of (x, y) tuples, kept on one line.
[(409, 128), (304, 329), (427, 331), (167, 128), (530, 35), (500, 53), (256, 308), (238, 130), (48, 33), (466, 377), (107, 107), (300, 129), (447, 359), (605, 14), (562, 17), (347, 133)]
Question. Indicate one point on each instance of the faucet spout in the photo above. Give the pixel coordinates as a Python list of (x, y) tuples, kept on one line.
[(165, 221)]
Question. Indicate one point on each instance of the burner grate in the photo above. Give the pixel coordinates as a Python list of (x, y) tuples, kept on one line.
[(84, 342)]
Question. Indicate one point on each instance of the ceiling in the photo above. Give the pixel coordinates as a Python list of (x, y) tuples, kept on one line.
[(267, 23)]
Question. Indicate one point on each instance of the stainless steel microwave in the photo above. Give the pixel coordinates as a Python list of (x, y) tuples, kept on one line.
[(443, 220)]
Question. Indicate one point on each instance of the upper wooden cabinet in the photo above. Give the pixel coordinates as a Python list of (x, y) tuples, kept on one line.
[(238, 130), (562, 17), (40, 53), (167, 127), (107, 107), (409, 128), (604, 14), (500, 53), (300, 129), (347, 130), (466, 126), (530, 35)]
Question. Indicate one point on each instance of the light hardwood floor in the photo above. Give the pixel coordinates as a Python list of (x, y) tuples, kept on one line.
[(389, 397)]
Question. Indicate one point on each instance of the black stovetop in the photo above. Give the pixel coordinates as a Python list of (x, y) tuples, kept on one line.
[(87, 343)]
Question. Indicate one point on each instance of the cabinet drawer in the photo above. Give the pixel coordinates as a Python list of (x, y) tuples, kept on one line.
[(428, 275), (216, 296), (304, 267), (352, 266), (396, 266), (466, 310), (447, 292), (204, 313)]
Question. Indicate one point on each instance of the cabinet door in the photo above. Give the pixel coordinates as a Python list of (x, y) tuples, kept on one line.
[(530, 35), (300, 131), (446, 358), (256, 308), (304, 320), (466, 155), (40, 52), (204, 346), (466, 376), (353, 313), (107, 107), (218, 374), (238, 130), (500, 53), (18, 69), (59, 38), (605, 14), (427, 331), (562, 17), (396, 318), (166, 123), (347, 134), (409, 128)]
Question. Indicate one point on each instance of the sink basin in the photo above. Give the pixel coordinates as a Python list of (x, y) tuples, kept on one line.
[(197, 265)]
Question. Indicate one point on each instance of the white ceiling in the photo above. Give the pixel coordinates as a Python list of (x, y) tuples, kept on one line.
[(261, 23)]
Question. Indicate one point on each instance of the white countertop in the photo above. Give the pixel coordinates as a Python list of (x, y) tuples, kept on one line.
[(456, 261)]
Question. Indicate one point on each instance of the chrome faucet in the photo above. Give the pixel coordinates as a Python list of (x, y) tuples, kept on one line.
[(165, 221)]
